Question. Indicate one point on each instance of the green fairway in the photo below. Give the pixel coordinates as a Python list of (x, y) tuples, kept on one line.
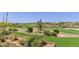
[(19, 34), (63, 30), (68, 31), (64, 42)]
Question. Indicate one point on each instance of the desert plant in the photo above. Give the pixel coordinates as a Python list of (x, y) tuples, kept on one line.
[(34, 41), (10, 29), (47, 33), (41, 43), (15, 38), (54, 34), (55, 30), (23, 42), (5, 44), (30, 41), (5, 32), (29, 29), (13, 29), (2, 38)]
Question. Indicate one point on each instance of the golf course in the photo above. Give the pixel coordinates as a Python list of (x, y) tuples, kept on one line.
[(38, 33)]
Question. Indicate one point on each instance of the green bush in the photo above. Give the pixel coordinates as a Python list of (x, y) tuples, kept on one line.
[(41, 43), (54, 34), (13, 29), (30, 29), (48, 33), (55, 30), (2, 38), (5, 44), (15, 38), (35, 40), (23, 42), (29, 42), (5, 33), (10, 29)]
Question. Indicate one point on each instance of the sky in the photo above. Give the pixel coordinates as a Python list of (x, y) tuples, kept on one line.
[(28, 17)]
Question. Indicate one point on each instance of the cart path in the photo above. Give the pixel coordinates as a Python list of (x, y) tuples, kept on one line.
[(67, 35)]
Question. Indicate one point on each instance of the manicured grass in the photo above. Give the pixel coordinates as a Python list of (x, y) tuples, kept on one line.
[(20, 34), (24, 35), (64, 42), (66, 31), (69, 31)]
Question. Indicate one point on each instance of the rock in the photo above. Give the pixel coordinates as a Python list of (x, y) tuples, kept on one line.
[(49, 44)]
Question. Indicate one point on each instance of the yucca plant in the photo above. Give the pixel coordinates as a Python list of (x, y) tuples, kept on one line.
[(35, 40)]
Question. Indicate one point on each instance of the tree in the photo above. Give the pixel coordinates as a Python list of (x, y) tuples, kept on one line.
[(4, 23), (30, 29), (39, 23), (61, 24)]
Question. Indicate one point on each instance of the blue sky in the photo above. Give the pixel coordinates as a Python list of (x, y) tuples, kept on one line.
[(26, 17)]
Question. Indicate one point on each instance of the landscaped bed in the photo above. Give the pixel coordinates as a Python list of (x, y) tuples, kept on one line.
[(60, 42)]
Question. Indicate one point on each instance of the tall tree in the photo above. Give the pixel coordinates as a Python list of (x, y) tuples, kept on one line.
[(5, 22), (39, 23), (6, 17)]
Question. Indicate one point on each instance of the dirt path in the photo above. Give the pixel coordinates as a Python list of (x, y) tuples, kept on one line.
[(68, 35), (71, 28)]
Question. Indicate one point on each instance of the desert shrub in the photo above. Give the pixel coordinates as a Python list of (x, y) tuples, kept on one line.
[(34, 41), (5, 44), (29, 29), (47, 33), (2, 38), (5, 32), (10, 29), (13, 29), (55, 30), (23, 42), (30, 41), (41, 43), (54, 34), (15, 38)]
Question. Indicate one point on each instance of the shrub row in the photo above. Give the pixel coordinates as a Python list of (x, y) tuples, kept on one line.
[(48, 33)]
